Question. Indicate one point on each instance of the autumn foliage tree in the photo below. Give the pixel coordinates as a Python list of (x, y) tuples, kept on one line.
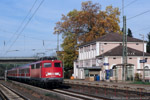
[(86, 25)]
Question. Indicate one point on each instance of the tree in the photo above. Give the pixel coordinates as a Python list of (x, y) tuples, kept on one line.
[(130, 32), (86, 25), (148, 43), (90, 22), (70, 53)]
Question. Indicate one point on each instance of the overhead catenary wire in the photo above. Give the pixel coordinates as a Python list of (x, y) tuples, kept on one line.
[(128, 4), (137, 15), (25, 26), (23, 35), (23, 21), (142, 29)]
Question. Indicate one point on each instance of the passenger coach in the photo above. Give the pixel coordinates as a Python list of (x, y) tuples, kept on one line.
[(45, 72)]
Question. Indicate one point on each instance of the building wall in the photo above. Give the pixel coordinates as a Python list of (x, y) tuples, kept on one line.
[(106, 46), (88, 53), (113, 61), (132, 60), (137, 46)]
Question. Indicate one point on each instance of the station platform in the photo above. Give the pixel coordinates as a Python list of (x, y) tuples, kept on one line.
[(112, 85)]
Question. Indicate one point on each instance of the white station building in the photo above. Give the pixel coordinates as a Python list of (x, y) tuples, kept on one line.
[(103, 57)]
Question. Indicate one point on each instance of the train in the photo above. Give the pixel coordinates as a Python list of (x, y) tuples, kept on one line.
[(46, 72)]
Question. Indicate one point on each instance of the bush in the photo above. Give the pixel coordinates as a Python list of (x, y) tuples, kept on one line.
[(138, 77), (68, 74)]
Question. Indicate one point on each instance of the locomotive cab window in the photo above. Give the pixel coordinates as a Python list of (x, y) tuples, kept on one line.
[(57, 65), (47, 65)]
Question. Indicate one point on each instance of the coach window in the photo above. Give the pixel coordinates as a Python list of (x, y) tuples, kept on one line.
[(57, 65), (32, 66), (37, 65), (47, 65)]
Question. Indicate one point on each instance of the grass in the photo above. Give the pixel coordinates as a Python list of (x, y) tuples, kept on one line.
[(140, 82)]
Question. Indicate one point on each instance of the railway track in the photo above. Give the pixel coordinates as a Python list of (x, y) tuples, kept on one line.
[(10, 94), (64, 94), (79, 95), (82, 93)]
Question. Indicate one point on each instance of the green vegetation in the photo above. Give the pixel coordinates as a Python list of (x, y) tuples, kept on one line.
[(53, 96), (48, 94), (140, 82), (3, 67)]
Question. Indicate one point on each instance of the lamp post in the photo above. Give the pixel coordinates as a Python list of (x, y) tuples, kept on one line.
[(6, 65), (143, 58)]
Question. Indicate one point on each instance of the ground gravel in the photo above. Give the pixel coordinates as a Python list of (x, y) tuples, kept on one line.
[(28, 92)]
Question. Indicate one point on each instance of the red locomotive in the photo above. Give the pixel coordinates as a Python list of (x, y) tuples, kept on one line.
[(43, 73)]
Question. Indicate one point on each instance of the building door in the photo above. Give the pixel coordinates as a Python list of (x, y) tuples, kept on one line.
[(130, 73), (86, 72)]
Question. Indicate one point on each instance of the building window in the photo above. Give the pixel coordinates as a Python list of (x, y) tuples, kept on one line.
[(146, 71), (114, 58), (137, 43), (130, 72), (77, 66), (93, 46), (115, 72), (105, 43), (81, 50)]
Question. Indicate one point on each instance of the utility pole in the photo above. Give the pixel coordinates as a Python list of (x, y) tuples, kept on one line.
[(124, 45), (124, 75), (143, 59)]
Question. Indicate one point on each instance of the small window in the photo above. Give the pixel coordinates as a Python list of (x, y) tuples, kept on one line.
[(91, 74), (47, 65), (137, 43), (114, 58), (105, 43), (93, 65), (130, 58), (57, 65), (32, 66)]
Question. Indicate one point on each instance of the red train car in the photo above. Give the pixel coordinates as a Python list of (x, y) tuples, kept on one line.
[(45, 72)]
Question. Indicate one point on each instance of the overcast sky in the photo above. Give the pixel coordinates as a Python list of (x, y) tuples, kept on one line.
[(41, 26)]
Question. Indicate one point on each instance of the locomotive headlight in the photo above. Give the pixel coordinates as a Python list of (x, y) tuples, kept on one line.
[(47, 73), (58, 73)]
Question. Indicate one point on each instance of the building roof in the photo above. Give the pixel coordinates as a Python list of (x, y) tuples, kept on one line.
[(117, 51), (112, 37)]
